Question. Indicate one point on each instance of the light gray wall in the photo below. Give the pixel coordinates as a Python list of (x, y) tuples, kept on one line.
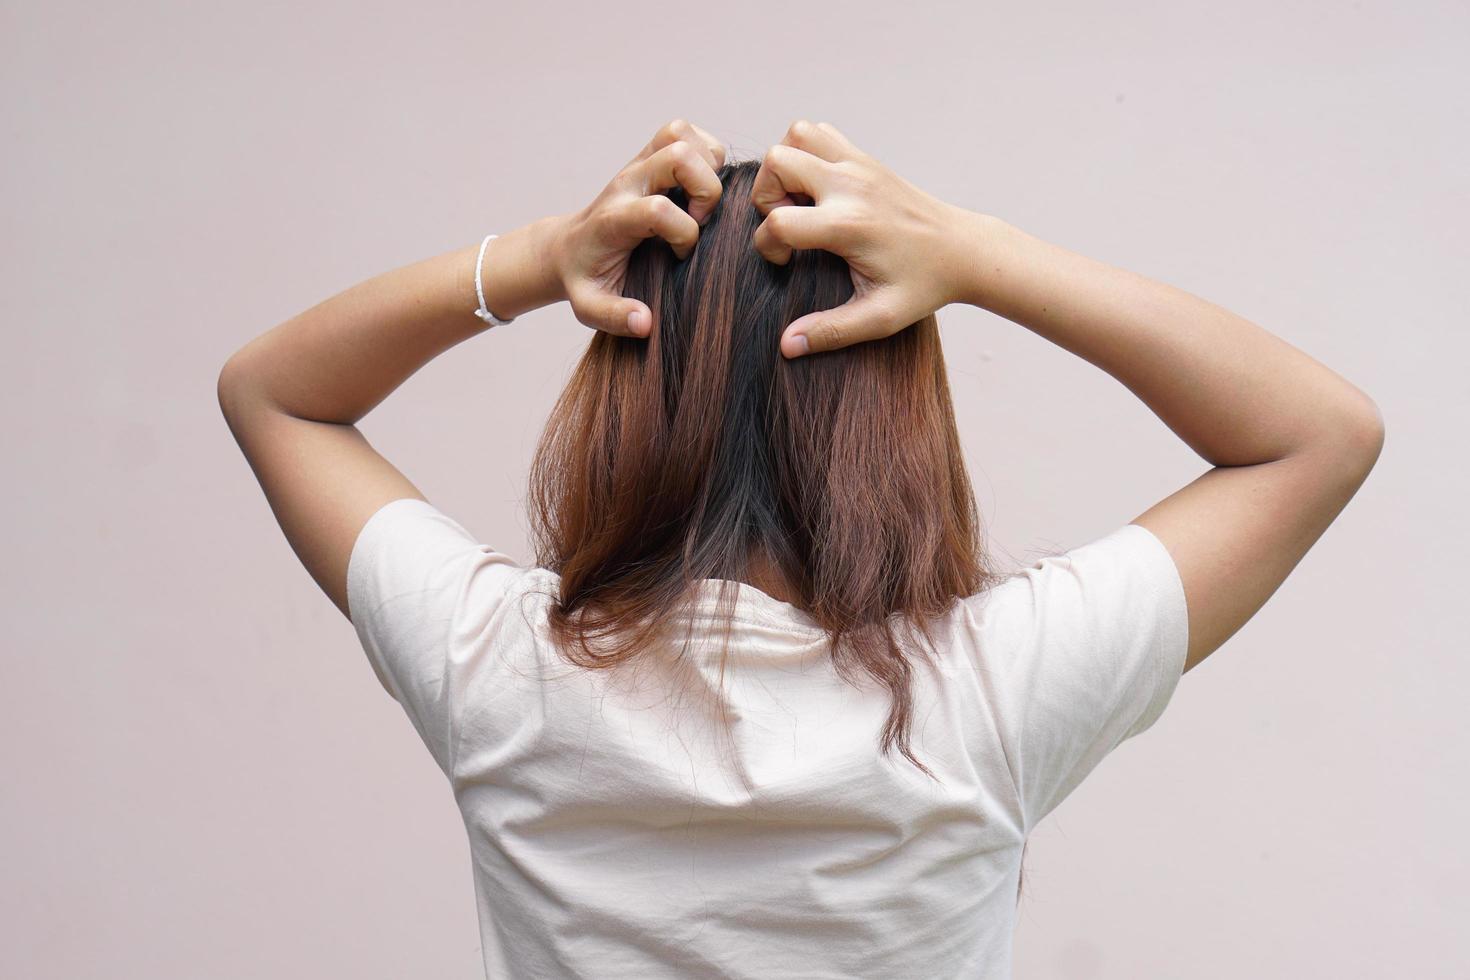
[(201, 775)]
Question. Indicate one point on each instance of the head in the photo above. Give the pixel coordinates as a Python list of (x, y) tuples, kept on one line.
[(700, 452)]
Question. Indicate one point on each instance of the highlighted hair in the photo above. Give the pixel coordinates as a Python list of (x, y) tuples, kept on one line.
[(700, 452)]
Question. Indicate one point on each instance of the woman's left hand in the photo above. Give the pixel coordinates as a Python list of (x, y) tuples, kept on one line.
[(591, 249)]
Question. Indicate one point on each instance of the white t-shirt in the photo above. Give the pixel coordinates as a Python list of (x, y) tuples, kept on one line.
[(616, 834)]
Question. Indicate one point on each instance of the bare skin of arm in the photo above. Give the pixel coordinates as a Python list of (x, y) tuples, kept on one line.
[(292, 396), (1289, 441)]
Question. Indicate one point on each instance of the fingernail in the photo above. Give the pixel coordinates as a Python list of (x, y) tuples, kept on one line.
[(635, 325), (798, 343)]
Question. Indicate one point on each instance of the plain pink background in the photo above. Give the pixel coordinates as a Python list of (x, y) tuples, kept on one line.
[(202, 777)]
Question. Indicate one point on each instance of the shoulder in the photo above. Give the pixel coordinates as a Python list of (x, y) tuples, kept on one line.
[(411, 552), (1119, 585)]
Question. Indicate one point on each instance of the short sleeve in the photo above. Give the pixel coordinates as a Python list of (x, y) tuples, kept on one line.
[(422, 593), (1090, 645)]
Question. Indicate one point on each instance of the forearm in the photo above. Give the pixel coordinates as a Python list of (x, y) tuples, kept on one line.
[(1234, 392), (336, 361)]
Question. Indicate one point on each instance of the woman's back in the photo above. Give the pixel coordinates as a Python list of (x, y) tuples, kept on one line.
[(663, 820)]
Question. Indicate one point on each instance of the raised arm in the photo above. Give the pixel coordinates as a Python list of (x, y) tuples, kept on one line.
[(1289, 440), (293, 395)]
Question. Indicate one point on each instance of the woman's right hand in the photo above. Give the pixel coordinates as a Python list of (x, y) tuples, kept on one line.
[(910, 253)]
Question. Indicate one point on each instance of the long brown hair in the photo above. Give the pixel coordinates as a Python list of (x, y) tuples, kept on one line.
[(700, 451)]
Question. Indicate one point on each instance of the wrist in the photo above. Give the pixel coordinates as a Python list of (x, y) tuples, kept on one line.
[(550, 235), (979, 239), (519, 273)]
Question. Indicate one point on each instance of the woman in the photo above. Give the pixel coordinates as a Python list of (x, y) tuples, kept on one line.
[(761, 709)]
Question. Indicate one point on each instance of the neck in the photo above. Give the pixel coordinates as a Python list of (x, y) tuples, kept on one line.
[(764, 575)]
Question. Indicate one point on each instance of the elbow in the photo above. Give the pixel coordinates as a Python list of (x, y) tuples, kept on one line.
[(226, 386), (1369, 429), (233, 387), (1343, 442), (1359, 436)]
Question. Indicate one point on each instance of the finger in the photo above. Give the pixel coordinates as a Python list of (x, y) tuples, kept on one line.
[(611, 313), (657, 215), (857, 320), (793, 227), (821, 140), (787, 170), (681, 165), (716, 146), (683, 129)]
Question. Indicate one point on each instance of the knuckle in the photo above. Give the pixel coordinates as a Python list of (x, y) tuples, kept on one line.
[(778, 223), (768, 245), (678, 224), (855, 174), (628, 179), (689, 162), (824, 336), (678, 126), (656, 208), (800, 130), (780, 156)]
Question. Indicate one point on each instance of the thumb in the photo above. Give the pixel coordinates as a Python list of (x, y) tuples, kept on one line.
[(859, 319), (613, 314)]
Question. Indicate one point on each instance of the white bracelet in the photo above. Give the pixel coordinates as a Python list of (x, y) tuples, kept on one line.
[(483, 312)]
